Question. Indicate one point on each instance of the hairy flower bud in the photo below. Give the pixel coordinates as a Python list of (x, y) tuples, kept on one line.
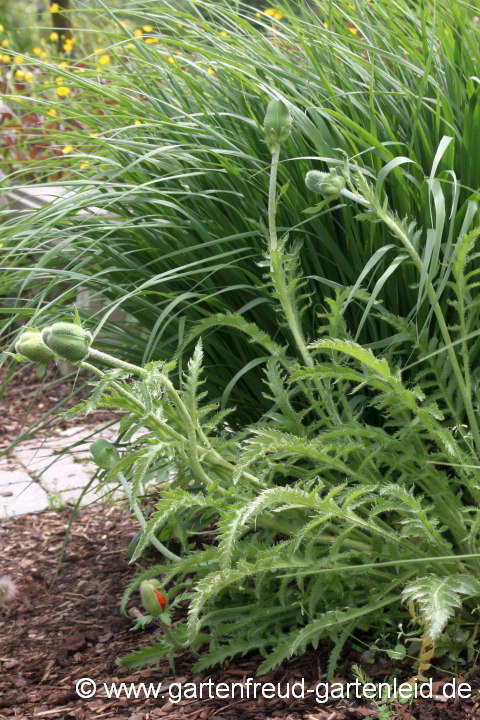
[(278, 122), (68, 341), (8, 590), (104, 454), (329, 184), (31, 346), (153, 599)]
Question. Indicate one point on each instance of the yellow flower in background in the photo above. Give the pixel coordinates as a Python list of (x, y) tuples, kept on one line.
[(68, 45), (353, 30), (29, 76), (171, 60), (5, 58), (223, 33), (270, 12), (62, 65), (54, 8), (20, 75), (104, 60), (1, 28), (94, 134), (67, 149), (258, 15), (325, 25), (52, 112), (63, 91), (98, 50), (138, 122), (130, 45), (44, 55), (37, 51), (60, 80), (148, 28), (352, 6), (4, 43), (19, 59), (138, 33), (84, 165), (211, 71), (278, 16), (53, 36), (151, 41)]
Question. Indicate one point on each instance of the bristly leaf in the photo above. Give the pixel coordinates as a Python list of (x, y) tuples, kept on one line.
[(439, 597)]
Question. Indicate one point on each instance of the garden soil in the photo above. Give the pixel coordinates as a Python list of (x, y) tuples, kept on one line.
[(65, 625)]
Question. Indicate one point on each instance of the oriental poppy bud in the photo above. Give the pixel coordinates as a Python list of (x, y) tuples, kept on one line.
[(278, 122), (153, 598), (68, 341), (104, 454), (31, 346), (329, 184)]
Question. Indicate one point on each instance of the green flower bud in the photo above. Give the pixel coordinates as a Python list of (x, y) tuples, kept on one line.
[(153, 598), (104, 454), (278, 122), (329, 184), (31, 346), (68, 341)]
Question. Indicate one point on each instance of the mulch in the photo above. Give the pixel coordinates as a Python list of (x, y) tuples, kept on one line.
[(28, 399), (52, 636)]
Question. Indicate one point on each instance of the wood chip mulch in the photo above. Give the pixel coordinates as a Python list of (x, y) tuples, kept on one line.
[(50, 637)]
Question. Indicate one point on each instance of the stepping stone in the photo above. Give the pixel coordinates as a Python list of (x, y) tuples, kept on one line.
[(19, 494)]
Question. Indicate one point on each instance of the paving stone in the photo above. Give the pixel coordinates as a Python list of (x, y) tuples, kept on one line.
[(26, 495)]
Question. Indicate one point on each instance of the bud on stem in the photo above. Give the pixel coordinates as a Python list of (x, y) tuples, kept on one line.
[(277, 124), (70, 342), (153, 599), (31, 346)]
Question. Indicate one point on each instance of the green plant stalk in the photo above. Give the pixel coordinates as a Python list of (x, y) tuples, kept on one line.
[(141, 519)]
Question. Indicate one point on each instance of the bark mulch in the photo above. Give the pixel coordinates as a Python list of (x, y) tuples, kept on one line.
[(52, 636)]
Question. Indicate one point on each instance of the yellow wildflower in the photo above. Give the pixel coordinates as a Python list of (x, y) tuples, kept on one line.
[(211, 71), (59, 80), (124, 24), (52, 112), (37, 51), (353, 30), (151, 41), (20, 75), (62, 65), (278, 16), (223, 33), (104, 60), (94, 134), (171, 60), (1, 244), (98, 50), (5, 58), (84, 165), (148, 28), (29, 76), (325, 25), (352, 6), (138, 33), (44, 55), (63, 91), (19, 59), (54, 8), (258, 15), (270, 12), (130, 45), (138, 122), (1, 28), (67, 149), (67, 46), (53, 36), (4, 43)]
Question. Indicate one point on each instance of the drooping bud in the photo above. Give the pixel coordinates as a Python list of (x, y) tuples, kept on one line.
[(329, 184), (70, 342), (278, 122), (8, 590), (31, 346), (104, 454), (153, 598)]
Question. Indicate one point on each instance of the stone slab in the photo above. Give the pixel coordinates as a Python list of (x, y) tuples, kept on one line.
[(21, 495)]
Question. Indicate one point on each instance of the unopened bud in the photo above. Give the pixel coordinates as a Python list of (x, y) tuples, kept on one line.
[(278, 122), (31, 346), (153, 598), (329, 184), (104, 454), (70, 342)]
